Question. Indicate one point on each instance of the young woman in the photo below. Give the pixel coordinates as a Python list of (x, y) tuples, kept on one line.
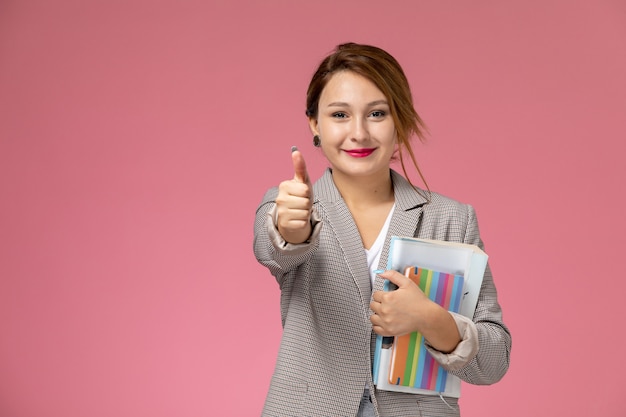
[(323, 242)]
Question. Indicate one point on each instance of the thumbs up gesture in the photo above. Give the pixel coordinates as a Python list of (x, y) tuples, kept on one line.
[(294, 203)]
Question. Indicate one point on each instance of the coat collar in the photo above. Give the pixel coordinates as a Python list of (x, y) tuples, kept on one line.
[(410, 203), (407, 197)]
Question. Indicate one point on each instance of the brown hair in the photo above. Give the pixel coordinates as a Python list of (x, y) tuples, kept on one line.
[(385, 72)]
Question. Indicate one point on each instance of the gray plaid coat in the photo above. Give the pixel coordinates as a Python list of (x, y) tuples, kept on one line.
[(326, 351)]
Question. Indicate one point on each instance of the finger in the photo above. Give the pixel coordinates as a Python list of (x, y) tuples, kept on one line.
[(299, 166), (295, 189), (378, 325), (377, 296), (294, 217), (294, 224), (396, 278)]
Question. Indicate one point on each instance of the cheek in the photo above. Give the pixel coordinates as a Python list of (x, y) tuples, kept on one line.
[(390, 134), (331, 132)]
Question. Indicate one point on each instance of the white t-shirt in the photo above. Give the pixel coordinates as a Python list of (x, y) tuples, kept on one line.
[(373, 253)]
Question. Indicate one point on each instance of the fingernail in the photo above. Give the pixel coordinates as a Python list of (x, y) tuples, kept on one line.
[(294, 148), (379, 271)]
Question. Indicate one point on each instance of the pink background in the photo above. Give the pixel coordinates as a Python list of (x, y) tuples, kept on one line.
[(138, 136)]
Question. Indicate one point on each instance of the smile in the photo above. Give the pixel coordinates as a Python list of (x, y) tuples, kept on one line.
[(360, 153)]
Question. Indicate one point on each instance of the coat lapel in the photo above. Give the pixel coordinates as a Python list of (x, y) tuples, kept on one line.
[(405, 219), (341, 222)]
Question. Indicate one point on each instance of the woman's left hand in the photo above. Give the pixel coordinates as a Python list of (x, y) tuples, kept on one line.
[(401, 311), (408, 309)]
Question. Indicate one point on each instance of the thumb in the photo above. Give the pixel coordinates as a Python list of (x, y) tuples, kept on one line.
[(299, 166), (396, 278)]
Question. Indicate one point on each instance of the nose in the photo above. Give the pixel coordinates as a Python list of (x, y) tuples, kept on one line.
[(359, 129)]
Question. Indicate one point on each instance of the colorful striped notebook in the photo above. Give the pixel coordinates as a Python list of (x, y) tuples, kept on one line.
[(411, 364)]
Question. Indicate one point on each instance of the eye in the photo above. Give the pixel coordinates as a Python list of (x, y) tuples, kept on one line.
[(339, 115), (378, 114)]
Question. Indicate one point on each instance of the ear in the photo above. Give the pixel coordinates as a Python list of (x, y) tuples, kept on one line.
[(313, 126)]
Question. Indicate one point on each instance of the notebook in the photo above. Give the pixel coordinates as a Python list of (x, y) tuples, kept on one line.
[(411, 364)]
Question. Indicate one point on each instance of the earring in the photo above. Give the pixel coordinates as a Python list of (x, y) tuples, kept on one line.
[(316, 141)]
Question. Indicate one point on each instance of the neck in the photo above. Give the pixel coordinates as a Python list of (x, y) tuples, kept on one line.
[(359, 191)]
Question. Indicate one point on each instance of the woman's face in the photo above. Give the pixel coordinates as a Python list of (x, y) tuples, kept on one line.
[(358, 136)]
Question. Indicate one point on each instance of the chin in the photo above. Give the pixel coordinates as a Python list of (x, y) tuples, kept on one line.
[(363, 172)]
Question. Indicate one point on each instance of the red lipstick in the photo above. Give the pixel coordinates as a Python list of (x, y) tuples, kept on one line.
[(360, 153)]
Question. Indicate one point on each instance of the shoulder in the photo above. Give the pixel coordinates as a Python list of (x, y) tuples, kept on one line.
[(409, 197), (450, 219), (446, 206), (270, 195), (268, 200)]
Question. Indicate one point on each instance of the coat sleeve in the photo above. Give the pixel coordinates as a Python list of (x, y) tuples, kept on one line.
[(494, 339), (271, 250)]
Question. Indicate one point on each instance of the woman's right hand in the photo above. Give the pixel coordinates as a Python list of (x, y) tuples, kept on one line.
[(294, 203)]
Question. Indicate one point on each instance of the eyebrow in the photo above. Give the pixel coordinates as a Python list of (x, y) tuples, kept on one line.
[(371, 104)]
